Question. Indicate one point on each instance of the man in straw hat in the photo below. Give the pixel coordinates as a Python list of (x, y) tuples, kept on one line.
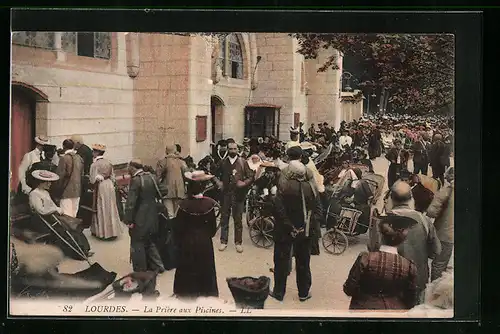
[(84, 151), (294, 138), (69, 187), (36, 155), (141, 217), (169, 172), (422, 242), (106, 220)]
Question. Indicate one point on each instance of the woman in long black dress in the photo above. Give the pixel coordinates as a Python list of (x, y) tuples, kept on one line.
[(194, 227)]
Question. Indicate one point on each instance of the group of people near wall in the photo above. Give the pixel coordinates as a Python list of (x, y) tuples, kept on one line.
[(175, 190)]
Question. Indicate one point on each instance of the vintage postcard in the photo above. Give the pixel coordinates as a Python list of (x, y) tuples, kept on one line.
[(231, 174)]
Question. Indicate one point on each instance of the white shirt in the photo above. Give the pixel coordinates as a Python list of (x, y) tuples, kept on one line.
[(388, 249), (232, 160), (28, 160), (98, 158), (42, 203), (345, 140)]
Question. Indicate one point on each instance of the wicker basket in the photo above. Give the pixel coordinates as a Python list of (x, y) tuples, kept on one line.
[(249, 292)]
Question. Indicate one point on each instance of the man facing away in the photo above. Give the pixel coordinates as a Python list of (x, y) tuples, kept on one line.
[(141, 217), (84, 151), (420, 155), (170, 172), (69, 186), (296, 207), (235, 179), (422, 242)]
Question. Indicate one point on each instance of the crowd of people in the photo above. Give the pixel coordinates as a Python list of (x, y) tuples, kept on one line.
[(173, 194)]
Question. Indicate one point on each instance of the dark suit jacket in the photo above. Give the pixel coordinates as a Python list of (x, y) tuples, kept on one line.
[(141, 208), (86, 153), (229, 178), (438, 155), (420, 153), (392, 156), (288, 210)]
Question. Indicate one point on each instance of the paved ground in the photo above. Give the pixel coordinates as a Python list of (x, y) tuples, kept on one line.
[(328, 271)]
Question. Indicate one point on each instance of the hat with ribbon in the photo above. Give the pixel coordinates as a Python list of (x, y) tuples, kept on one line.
[(99, 147), (294, 131), (42, 140), (198, 176), (44, 175), (246, 140)]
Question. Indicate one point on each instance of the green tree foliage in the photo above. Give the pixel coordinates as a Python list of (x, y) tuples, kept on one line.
[(417, 71)]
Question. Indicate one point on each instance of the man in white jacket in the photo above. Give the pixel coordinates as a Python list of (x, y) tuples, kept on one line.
[(34, 156)]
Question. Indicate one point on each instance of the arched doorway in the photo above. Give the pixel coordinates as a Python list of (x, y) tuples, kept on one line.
[(217, 116), (23, 120)]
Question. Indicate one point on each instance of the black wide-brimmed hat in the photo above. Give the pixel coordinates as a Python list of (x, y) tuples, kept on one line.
[(398, 222)]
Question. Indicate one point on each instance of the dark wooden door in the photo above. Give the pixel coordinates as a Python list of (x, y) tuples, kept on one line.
[(260, 122), (22, 132)]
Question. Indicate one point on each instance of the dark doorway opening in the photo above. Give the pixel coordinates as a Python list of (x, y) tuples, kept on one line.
[(217, 116), (262, 121)]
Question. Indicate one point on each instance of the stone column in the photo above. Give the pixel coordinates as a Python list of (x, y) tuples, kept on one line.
[(61, 56), (324, 90), (133, 58)]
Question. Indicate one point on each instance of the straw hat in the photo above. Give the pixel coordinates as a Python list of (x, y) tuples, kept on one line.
[(42, 140), (198, 175), (44, 175), (77, 139), (99, 147), (268, 164), (307, 146), (294, 131), (246, 140)]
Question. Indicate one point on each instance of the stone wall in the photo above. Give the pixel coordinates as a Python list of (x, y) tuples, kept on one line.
[(235, 94), (352, 107), (277, 82), (324, 90), (161, 95), (199, 90), (87, 96)]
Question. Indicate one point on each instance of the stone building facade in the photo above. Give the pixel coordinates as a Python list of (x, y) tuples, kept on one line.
[(137, 92)]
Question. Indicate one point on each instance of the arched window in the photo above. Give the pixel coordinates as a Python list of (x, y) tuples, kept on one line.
[(233, 65), (235, 57)]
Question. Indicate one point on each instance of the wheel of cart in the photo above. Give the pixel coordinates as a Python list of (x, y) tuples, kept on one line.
[(335, 241), (261, 229), (252, 208)]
